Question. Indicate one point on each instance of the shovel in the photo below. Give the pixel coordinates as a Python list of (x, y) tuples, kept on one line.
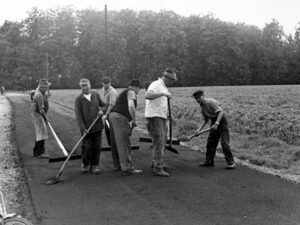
[(55, 179), (106, 128), (196, 134), (169, 147)]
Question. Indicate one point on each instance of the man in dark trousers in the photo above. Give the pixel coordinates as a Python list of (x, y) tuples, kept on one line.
[(123, 120), (87, 107), (219, 130), (39, 109)]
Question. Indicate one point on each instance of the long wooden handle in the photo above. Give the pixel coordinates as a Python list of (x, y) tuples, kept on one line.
[(62, 147), (170, 123)]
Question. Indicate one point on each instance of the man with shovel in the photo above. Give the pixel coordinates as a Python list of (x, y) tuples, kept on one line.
[(39, 109), (219, 130), (156, 113), (87, 107)]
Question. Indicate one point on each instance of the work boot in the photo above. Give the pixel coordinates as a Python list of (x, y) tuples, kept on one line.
[(163, 166), (161, 173), (44, 156), (95, 170), (133, 172), (207, 163), (83, 168), (117, 169), (230, 166)]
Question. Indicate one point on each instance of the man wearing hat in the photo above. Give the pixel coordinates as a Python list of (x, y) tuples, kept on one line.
[(156, 113), (109, 96), (39, 109), (87, 107), (123, 120)]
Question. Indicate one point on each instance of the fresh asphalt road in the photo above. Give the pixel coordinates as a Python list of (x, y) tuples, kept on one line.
[(190, 196)]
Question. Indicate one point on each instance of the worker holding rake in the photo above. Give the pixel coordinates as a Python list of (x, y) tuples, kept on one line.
[(87, 108), (219, 130), (39, 109)]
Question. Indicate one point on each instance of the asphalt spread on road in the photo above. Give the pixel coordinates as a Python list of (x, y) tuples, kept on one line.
[(190, 196)]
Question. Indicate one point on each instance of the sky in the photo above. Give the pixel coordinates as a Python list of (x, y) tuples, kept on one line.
[(251, 12)]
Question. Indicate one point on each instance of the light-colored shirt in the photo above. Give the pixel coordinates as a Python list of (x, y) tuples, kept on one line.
[(131, 95), (109, 97), (210, 109), (157, 107), (39, 102), (87, 96)]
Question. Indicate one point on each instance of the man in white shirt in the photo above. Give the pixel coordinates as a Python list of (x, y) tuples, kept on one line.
[(156, 113)]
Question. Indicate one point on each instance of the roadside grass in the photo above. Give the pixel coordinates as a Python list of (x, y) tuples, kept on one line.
[(263, 120)]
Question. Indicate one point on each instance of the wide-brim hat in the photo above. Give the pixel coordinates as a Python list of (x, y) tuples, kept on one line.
[(170, 74), (44, 83), (135, 83), (83, 81)]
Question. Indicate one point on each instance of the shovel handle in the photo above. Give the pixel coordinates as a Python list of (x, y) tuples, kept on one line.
[(170, 123), (198, 133)]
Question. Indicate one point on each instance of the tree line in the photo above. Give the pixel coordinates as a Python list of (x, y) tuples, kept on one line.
[(68, 44)]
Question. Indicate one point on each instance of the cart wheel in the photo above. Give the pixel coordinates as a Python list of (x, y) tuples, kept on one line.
[(16, 221)]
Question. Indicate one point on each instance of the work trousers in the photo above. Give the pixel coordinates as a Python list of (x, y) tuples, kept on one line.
[(213, 139), (120, 137), (90, 148), (157, 128), (114, 151), (39, 148)]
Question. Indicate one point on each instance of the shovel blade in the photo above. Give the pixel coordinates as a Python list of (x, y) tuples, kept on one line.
[(52, 180), (169, 148)]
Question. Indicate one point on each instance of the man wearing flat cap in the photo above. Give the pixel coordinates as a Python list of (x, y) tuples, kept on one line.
[(87, 107), (39, 109), (156, 113), (123, 120)]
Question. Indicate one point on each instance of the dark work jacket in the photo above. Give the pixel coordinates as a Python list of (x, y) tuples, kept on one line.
[(86, 112), (121, 105)]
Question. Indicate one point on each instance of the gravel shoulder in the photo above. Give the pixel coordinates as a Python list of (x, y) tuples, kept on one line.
[(13, 182)]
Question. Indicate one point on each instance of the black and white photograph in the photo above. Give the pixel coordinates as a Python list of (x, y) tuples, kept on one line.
[(157, 112)]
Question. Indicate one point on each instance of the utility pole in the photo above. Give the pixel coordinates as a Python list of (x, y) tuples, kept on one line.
[(47, 73), (106, 41)]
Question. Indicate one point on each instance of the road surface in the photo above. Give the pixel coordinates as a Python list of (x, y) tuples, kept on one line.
[(190, 196)]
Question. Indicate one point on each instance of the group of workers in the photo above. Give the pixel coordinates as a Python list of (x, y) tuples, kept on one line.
[(116, 114)]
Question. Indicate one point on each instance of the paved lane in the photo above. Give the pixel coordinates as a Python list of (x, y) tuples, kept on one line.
[(191, 196)]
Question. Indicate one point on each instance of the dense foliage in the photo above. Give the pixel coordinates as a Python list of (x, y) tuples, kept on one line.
[(203, 49)]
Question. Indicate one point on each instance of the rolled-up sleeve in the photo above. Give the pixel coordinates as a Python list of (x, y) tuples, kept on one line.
[(112, 97)]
